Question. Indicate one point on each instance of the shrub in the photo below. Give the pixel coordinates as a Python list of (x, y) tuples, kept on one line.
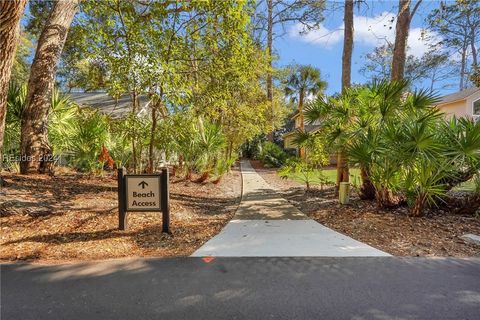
[(253, 149), (406, 151), (91, 132), (272, 155), (222, 167), (63, 117), (16, 99), (211, 143)]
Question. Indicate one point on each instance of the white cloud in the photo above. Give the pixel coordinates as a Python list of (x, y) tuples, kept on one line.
[(419, 39), (321, 36), (369, 31), (374, 30)]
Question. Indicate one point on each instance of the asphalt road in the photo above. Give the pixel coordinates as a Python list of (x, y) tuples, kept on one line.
[(244, 288)]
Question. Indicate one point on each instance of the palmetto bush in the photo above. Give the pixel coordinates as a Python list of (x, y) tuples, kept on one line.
[(62, 116), (16, 100), (186, 145), (461, 140), (222, 167), (90, 132), (272, 155), (405, 149), (119, 144), (200, 146), (211, 144), (75, 134)]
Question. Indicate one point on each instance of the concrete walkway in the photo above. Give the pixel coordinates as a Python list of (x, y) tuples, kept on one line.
[(267, 225)]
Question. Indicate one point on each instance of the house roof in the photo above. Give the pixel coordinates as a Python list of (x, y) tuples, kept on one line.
[(105, 103), (460, 95)]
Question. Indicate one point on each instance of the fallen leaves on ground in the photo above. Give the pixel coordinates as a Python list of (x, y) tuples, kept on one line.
[(75, 217)]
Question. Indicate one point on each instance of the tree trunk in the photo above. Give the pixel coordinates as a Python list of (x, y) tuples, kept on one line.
[(134, 135), (230, 150), (342, 163), (472, 41), (218, 180), (474, 51), (463, 66), (418, 206), (188, 175), (347, 45), (386, 198), (343, 172), (367, 190), (152, 139), (270, 64), (401, 36), (345, 169), (10, 14), (36, 152), (301, 119), (339, 171)]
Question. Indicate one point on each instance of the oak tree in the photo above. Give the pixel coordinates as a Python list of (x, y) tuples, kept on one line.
[(35, 149), (10, 14)]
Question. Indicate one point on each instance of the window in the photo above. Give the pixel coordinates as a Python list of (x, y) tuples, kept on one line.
[(476, 108)]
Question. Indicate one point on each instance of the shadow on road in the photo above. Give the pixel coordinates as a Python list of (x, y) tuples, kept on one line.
[(245, 288)]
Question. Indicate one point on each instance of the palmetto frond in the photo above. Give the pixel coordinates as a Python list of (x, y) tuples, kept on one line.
[(301, 137), (388, 96), (317, 110), (363, 146), (421, 99), (461, 140), (16, 102)]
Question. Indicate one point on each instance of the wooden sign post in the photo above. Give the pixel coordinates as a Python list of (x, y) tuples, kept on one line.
[(143, 193)]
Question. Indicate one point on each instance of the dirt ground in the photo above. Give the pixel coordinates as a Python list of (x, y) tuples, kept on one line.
[(436, 234), (75, 217)]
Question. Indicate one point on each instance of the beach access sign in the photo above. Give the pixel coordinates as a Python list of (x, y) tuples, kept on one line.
[(143, 193)]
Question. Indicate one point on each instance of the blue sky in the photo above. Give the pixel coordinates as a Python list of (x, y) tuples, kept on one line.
[(323, 48)]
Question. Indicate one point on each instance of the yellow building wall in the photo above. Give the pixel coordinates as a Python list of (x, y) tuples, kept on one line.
[(288, 142), (457, 108)]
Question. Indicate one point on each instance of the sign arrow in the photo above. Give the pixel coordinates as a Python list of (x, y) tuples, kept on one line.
[(143, 184)]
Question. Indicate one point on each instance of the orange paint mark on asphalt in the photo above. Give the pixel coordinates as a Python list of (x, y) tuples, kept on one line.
[(207, 259)]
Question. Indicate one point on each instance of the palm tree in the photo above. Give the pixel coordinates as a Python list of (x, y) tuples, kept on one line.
[(338, 116), (303, 82)]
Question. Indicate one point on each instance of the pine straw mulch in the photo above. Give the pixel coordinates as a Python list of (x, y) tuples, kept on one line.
[(436, 234), (73, 217)]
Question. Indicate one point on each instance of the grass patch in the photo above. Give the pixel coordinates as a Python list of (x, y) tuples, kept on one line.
[(331, 175)]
